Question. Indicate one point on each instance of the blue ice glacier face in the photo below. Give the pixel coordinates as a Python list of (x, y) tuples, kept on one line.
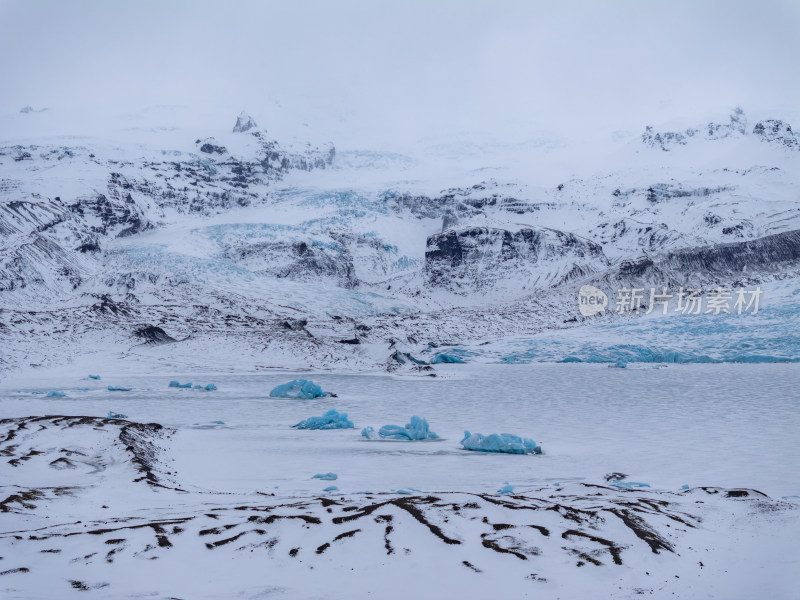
[(500, 442), (178, 384), (116, 415), (326, 476), (55, 394), (298, 388), (417, 429), (330, 420), (444, 357), (769, 336)]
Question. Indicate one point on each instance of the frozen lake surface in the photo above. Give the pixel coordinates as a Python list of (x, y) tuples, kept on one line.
[(727, 425)]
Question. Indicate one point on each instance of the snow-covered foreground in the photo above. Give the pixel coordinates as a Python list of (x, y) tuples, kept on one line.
[(219, 499)]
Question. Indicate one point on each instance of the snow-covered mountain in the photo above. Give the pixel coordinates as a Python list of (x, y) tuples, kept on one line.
[(278, 253)]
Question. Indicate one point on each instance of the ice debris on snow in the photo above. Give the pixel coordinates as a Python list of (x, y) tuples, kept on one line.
[(500, 442), (417, 429), (506, 489), (178, 384), (94, 376), (115, 415), (119, 388), (326, 476), (684, 487), (298, 388), (55, 394), (330, 420)]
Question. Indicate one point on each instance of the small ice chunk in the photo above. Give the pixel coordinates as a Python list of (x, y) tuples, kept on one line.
[(210, 388), (506, 489), (500, 442), (326, 476), (115, 415), (403, 492), (119, 388), (94, 376), (331, 488), (178, 384), (330, 420), (684, 487), (417, 429), (298, 388), (55, 394)]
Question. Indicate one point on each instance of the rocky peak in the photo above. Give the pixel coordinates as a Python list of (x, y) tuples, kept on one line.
[(244, 122)]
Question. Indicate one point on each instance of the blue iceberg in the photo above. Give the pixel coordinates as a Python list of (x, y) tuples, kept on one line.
[(94, 376), (55, 394), (298, 388), (119, 388), (330, 420), (500, 442), (210, 388), (326, 476), (178, 384), (115, 415), (506, 489), (331, 488), (417, 429)]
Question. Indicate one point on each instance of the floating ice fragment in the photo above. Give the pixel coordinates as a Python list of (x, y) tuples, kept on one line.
[(506, 489), (55, 394), (178, 384), (331, 488), (500, 442), (119, 388), (402, 491), (115, 415), (298, 388), (330, 420), (94, 376), (684, 487), (326, 476), (417, 429), (620, 364), (210, 388)]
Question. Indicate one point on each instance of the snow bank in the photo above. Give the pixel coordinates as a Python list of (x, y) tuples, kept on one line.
[(298, 388), (417, 429), (500, 442), (330, 420)]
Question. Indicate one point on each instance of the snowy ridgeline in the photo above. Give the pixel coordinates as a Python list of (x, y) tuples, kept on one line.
[(237, 239), (74, 531)]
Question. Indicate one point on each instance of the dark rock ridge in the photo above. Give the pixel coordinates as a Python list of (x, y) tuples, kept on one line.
[(776, 131), (480, 257)]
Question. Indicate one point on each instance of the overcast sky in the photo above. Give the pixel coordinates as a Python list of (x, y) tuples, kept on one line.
[(408, 68)]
